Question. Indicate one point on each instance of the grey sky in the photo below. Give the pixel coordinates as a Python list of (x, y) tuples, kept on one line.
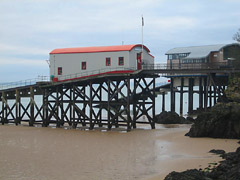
[(30, 29)]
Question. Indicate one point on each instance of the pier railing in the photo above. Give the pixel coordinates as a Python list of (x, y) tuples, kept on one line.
[(95, 72), (22, 83), (163, 66), (187, 66)]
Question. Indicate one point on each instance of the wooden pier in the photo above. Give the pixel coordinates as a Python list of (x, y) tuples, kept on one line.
[(110, 100), (82, 102)]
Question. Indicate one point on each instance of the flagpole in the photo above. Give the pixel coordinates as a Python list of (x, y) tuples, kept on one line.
[(142, 38)]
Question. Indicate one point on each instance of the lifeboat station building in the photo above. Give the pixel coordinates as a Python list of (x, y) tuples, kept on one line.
[(70, 63)]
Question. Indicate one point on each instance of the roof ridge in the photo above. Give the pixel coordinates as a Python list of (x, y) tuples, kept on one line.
[(199, 46), (97, 46), (95, 49)]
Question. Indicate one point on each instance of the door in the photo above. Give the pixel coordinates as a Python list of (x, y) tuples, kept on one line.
[(139, 61)]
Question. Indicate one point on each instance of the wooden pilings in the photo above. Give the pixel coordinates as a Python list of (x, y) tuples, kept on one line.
[(17, 113), (4, 109), (108, 102), (200, 93), (172, 91), (190, 95), (82, 104), (32, 120), (206, 88), (181, 96), (163, 101)]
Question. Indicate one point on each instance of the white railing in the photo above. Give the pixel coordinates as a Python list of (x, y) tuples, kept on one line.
[(162, 66), (109, 70), (24, 82), (94, 73), (28, 82)]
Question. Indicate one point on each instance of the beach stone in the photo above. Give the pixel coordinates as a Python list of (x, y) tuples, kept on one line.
[(229, 168), (217, 151), (170, 118), (222, 121)]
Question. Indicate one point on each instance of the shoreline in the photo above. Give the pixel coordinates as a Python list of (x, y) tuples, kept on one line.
[(191, 153)]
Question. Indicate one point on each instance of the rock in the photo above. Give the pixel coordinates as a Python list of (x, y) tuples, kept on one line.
[(222, 121), (190, 119), (192, 174), (229, 169), (217, 151), (170, 118), (233, 90)]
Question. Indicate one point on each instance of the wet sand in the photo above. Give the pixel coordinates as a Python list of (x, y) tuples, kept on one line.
[(35, 153)]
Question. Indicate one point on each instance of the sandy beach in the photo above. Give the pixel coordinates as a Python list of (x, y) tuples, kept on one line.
[(189, 153), (36, 153)]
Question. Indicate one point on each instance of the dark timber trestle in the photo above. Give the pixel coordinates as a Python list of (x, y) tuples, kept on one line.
[(210, 89), (113, 101)]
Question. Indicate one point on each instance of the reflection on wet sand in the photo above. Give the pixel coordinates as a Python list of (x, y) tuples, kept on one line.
[(31, 153)]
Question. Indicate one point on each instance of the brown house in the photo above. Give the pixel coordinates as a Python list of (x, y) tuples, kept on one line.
[(220, 54)]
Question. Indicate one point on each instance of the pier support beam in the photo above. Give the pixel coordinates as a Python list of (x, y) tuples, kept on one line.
[(129, 119), (190, 95), (74, 123), (163, 101), (45, 122), (200, 94), (62, 111), (215, 95), (210, 96), (205, 93), (91, 105), (4, 109), (172, 95), (153, 104), (181, 96), (17, 108), (32, 120)]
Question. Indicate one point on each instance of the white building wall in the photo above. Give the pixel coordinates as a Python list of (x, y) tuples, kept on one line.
[(147, 59), (71, 63)]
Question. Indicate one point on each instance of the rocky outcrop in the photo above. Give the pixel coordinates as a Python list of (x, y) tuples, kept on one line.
[(233, 90), (192, 174), (172, 118), (222, 121), (229, 169)]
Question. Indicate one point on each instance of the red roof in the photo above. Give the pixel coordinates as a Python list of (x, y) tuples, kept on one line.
[(96, 49)]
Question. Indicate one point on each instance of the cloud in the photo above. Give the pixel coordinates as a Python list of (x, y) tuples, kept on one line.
[(32, 17), (19, 50), (30, 29), (20, 61), (172, 23)]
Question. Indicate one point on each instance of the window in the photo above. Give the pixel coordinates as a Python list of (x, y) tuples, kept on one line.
[(108, 61), (170, 57), (84, 65), (177, 56), (59, 70), (121, 61)]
